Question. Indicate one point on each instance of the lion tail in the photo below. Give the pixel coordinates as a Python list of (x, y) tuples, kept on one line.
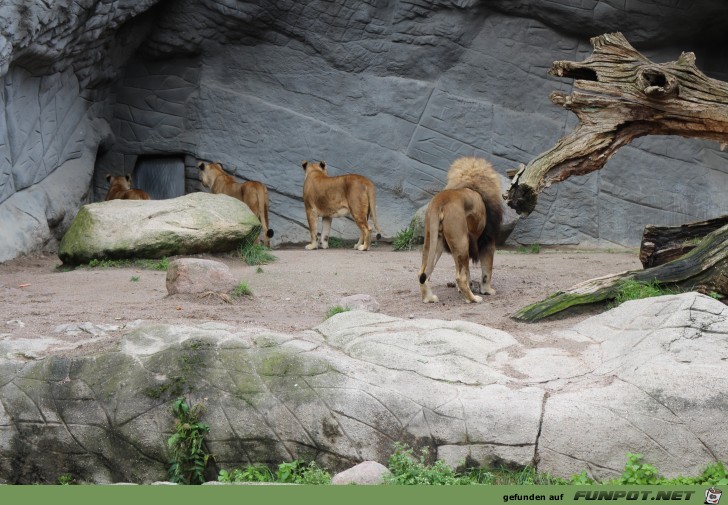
[(432, 224), (264, 211), (493, 222), (372, 194)]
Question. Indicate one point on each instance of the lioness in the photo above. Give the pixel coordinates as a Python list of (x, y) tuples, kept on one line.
[(254, 194), (463, 219), (120, 189), (331, 197)]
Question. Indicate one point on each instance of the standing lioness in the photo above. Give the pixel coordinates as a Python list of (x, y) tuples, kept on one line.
[(463, 219), (254, 194), (331, 197)]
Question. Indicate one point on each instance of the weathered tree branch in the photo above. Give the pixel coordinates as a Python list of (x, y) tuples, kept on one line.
[(703, 269), (622, 96), (661, 244)]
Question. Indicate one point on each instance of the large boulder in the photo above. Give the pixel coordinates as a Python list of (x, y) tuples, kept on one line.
[(646, 377), (194, 223)]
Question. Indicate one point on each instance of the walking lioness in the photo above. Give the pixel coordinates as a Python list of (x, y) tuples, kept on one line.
[(331, 197), (463, 219), (254, 194)]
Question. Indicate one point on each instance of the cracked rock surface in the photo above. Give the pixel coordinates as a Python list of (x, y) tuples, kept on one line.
[(647, 377)]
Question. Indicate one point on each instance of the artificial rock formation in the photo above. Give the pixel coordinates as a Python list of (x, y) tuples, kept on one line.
[(395, 91), (650, 370)]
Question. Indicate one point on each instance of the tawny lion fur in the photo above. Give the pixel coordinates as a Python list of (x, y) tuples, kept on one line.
[(120, 189), (331, 197), (254, 194), (463, 219)]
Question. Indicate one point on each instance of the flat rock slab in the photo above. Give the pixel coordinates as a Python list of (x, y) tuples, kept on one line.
[(191, 224), (194, 275), (647, 377), (366, 473)]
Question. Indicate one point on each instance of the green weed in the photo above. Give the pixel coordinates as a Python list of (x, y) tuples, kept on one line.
[(65, 479), (294, 472), (528, 249), (404, 240), (336, 309), (255, 254), (259, 270), (635, 290), (146, 264), (189, 456), (134, 278), (242, 289)]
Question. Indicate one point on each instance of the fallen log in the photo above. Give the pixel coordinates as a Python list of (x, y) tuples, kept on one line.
[(620, 95), (661, 244), (704, 269)]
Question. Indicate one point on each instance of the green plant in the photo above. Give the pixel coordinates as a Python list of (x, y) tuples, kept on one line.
[(255, 254), (259, 270), (294, 472), (147, 264), (338, 243), (528, 249), (404, 240), (134, 278), (715, 295), (189, 456), (635, 290), (408, 470), (336, 309), (66, 479), (242, 289)]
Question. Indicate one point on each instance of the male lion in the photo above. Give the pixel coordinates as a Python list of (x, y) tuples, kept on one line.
[(331, 197), (463, 219), (254, 194), (120, 189)]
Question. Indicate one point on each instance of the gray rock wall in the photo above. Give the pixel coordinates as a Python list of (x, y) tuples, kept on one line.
[(393, 90)]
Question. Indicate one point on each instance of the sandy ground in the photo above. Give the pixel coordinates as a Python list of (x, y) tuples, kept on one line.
[(291, 294)]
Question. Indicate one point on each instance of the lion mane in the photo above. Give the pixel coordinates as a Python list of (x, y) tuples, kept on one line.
[(464, 219)]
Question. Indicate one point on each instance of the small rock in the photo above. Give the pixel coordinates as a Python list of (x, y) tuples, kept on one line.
[(360, 302), (16, 322), (193, 275), (366, 473)]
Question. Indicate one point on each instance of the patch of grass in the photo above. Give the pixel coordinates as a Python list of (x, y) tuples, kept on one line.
[(404, 240), (339, 243), (528, 249), (294, 472), (255, 254), (189, 456), (134, 278), (242, 289), (259, 270), (65, 479), (634, 290), (715, 295), (336, 309), (146, 264)]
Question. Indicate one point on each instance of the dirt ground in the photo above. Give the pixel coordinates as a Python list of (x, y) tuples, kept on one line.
[(291, 294)]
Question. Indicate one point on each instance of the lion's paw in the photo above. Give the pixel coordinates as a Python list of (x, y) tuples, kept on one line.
[(430, 299), (361, 248), (311, 246), (324, 245), (476, 299), (487, 291)]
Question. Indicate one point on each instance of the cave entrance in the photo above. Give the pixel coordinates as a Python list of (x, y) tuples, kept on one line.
[(162, 176)]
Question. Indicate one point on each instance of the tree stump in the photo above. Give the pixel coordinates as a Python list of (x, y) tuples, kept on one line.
[(621, 95), (661, 244)]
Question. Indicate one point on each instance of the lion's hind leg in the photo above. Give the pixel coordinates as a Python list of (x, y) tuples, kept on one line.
[(365, 232), (486, 265), (325, 231), (456, 235)]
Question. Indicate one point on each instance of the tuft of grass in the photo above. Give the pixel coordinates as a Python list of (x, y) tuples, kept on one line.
[(66, 479), (255, 254), (259, 270), (339, 243), (143, 263), (336, 309), (528, 249), (242, 289), (635, 290), (134, 278), (404, 240)]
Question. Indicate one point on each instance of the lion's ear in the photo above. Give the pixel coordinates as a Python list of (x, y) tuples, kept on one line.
[(128, 178), (323, 164), (108, 177), (201, 165), (304, 164)]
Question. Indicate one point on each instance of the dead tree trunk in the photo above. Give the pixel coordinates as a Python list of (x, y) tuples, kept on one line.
[(621, 95), (703, 269), (661, 244)]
